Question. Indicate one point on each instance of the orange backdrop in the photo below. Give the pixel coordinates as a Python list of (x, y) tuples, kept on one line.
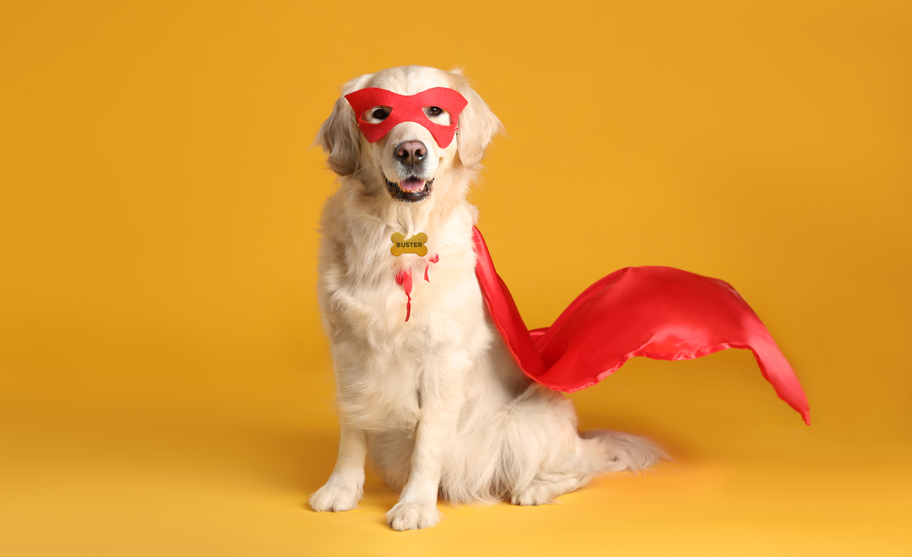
[(165, 387)]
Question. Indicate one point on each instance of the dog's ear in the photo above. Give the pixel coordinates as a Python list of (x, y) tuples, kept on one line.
[(339, 135), (477, 124)]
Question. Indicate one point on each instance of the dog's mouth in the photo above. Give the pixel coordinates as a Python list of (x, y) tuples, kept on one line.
[(411, 189)]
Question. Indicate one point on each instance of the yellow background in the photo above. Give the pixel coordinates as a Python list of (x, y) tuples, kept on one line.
[(166, 388)]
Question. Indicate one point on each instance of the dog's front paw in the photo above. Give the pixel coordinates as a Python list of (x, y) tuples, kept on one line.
[(412, 516), (335, 498)]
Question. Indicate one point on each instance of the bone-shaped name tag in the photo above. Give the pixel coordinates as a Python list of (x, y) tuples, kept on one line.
[(415, 244)]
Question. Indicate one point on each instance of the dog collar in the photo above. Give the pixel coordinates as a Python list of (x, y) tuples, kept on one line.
[(407, 108)]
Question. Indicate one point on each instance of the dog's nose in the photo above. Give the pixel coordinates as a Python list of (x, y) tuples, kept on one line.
[(411, 152)]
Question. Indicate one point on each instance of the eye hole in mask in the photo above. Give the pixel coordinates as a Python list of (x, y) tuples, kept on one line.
[(380, 113)]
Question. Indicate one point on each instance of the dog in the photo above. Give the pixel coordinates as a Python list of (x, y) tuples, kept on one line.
[(425, 384)]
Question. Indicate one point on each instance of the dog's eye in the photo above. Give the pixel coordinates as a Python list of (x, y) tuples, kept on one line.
[(380, 113), (434, 111)]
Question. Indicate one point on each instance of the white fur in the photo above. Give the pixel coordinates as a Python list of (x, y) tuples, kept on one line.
[(437, 401)]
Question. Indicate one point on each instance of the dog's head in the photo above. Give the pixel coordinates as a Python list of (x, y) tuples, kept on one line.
[(410, 162)]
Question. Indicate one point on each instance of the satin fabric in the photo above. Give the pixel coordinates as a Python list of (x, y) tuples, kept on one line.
[(657, 312), (407, 108)]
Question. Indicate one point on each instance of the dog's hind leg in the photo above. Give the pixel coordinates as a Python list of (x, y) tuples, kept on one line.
[(546, 486), (346, 483), (544, 455), (597, 452)]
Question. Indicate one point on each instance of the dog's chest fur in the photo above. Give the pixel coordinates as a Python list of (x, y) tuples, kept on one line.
[(375, 349)]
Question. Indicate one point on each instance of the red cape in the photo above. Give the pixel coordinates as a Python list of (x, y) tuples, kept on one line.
[(657, 312)]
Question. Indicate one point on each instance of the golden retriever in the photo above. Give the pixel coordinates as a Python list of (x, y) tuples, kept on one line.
[(425, 384)]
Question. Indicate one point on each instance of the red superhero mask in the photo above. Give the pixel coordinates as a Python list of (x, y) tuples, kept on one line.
[(407, 108)]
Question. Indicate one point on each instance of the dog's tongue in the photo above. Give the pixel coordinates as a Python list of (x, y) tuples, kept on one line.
[(411, 185)]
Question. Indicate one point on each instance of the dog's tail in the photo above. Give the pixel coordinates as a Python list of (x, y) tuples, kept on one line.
[(613, 451)]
